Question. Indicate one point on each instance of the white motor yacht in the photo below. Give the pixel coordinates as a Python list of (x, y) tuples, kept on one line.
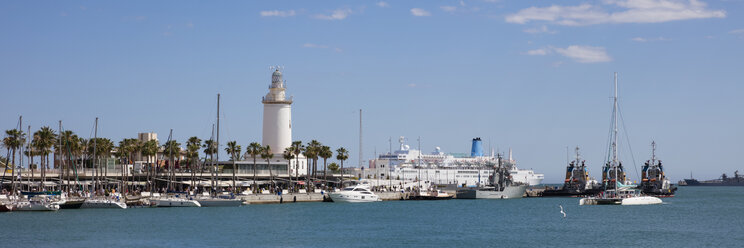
[(102, 202), (171, 201), (358, 193)]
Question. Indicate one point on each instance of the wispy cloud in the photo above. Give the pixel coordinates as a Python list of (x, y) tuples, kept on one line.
[(278, 13), (541, 51), (631, 11), (318, 46), (642, 39), (737, 31), (420, 12), (448, 8), (581, 54), (382, 4), (540, 30), (585, 54), (338, 14)]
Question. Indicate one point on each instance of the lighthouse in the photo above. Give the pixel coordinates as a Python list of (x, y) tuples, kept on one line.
[(277, 116)]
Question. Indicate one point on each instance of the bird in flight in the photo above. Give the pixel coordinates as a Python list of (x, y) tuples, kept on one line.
[(562, 212)]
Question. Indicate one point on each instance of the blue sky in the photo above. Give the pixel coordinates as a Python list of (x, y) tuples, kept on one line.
[(535, 76)]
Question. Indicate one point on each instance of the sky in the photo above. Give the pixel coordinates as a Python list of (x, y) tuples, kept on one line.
[(533, 76)]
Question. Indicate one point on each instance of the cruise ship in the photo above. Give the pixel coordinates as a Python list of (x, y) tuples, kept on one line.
[(406, 164)]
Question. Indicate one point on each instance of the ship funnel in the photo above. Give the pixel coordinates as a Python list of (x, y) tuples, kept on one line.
[(477, 149)]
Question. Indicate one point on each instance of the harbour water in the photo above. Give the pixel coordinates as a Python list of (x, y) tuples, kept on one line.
[(696, 217)]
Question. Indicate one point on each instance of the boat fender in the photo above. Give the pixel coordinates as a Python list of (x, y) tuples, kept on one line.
[(281, 200), (294, 199)]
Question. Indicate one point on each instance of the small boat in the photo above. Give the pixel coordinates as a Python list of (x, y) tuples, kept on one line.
[(103, 203), (358, 193), (431, 195), (71, 203), (219, 202), (173, 201)]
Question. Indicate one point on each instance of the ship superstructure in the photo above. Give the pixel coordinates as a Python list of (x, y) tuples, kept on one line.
[(653, 180), (577, 182), (437, 167)]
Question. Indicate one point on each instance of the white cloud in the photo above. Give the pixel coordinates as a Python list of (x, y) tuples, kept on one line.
[(278, 13), (338, 14), (448, 8), (311, 45), (585, 54), (419, 12), (539, 30), (411, 85), (383, 4), (462, 3), (631, 11), (541, 51), (642, 39), (737, 31), (581, 54)]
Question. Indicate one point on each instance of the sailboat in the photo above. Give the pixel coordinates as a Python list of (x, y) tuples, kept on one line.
[(172, 200), (617, 192), (100, 201), (212, 200)]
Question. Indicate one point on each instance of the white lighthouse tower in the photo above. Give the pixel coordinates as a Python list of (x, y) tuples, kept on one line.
[(277, 116)]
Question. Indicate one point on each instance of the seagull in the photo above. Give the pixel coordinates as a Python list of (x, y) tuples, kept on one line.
[(562, 212)]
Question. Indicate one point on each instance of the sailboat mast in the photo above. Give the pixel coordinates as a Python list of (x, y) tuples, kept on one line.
[(95, 168), (218, 137), (614, 134)]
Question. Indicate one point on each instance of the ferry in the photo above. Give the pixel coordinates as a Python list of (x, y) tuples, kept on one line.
[(408, 164)]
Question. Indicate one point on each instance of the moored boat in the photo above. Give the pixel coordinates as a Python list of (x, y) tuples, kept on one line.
[(103, 203), (358, 193), (500, 186), (172, 201)]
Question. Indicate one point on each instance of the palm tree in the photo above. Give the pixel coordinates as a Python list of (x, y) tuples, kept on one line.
[(325, 153), (234, 150), (63, 148), (173, 148), (127, 149), (311, 152), (297, 149), (342, 154), (43, 141), (149, 149), (267, 154), (288, 155), (254, 149), (102, 149), (210, 148), (192, 154), (13, 141)]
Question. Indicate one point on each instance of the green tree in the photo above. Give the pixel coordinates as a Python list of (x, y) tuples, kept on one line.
[(342, 154), (173, 149), (234, 150), (297, 149), (325, 153), (150, 149), (254, 149), (43, 141), (13, 141), (288, 155), (333, 167), (192, 155), (267, 154)]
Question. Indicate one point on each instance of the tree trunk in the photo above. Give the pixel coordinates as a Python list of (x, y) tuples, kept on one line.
[(255, 184)]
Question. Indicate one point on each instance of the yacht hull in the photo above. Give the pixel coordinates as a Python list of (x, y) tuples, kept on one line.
[(510, 192), (161, 203), (36, 207), (340, 197), (217, 202), (95, 203)]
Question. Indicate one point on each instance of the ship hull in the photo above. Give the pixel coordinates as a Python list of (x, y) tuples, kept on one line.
[(510, 192)]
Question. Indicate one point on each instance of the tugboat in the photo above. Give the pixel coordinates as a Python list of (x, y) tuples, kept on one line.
[(653, 180), (577, 183)]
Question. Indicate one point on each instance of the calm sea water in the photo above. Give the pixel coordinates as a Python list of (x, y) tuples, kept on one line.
[(696, 217)]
